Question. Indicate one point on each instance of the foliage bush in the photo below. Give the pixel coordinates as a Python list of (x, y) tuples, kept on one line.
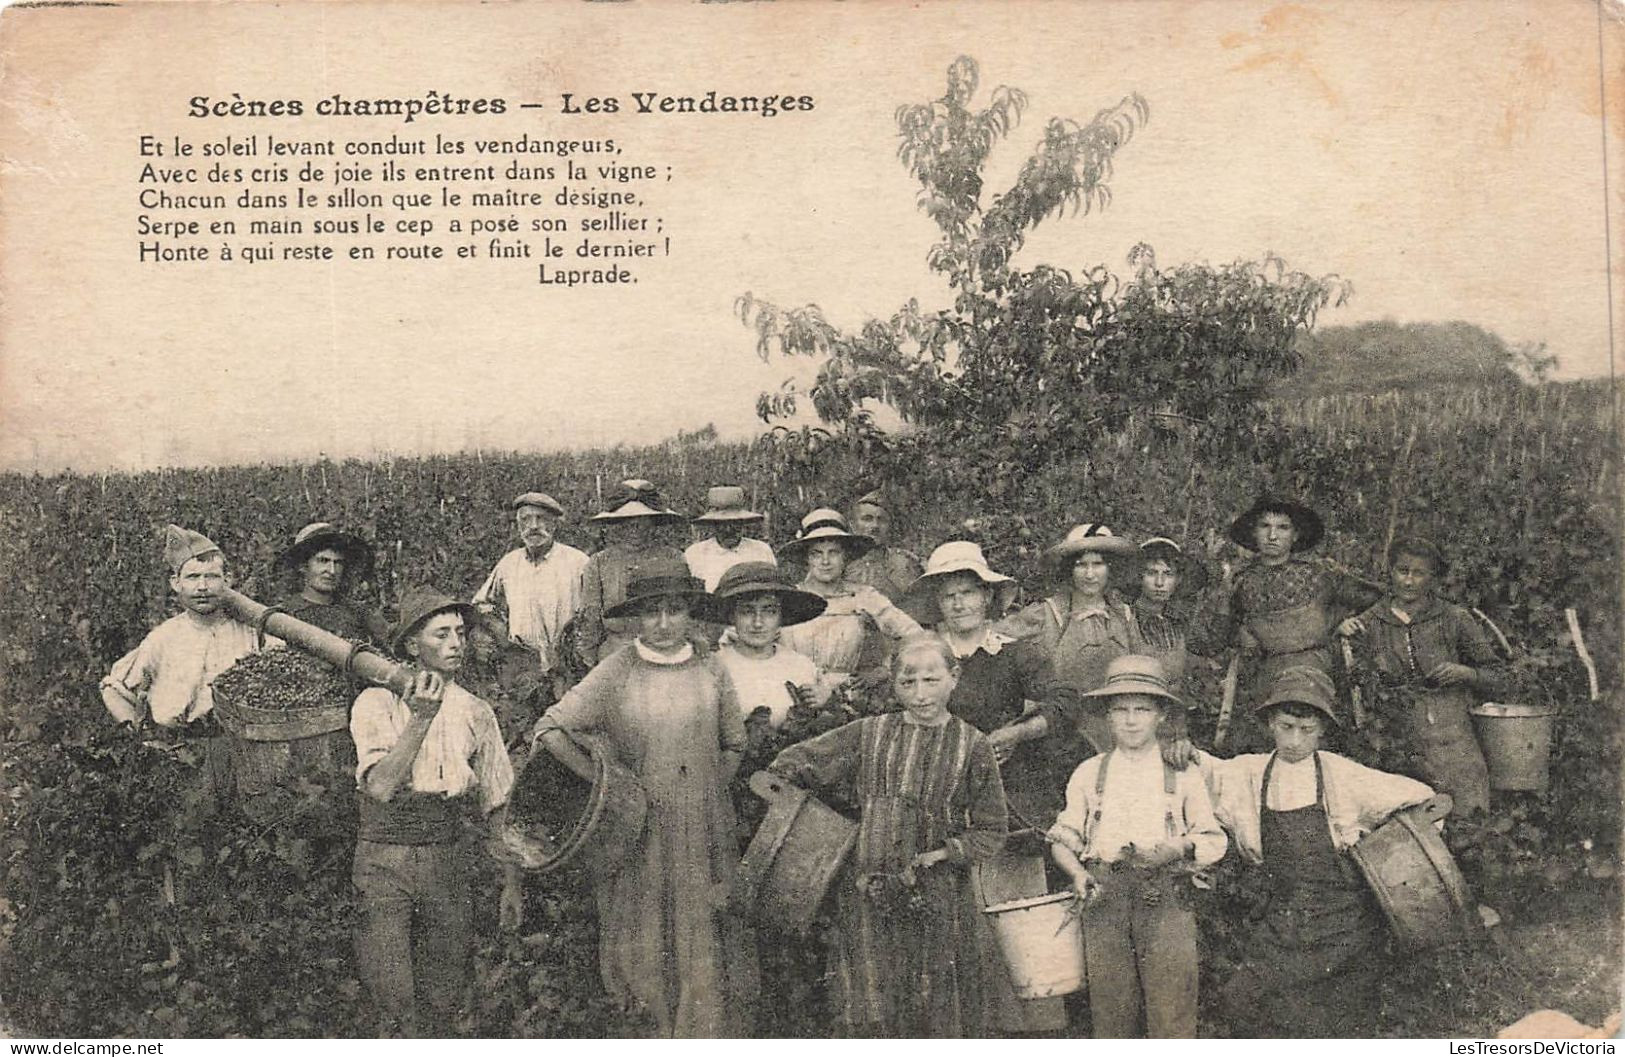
[(250, 933)]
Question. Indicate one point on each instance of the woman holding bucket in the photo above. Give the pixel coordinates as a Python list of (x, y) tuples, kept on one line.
[(909, 961), (667, 944), (1443, 658), (834, 640)]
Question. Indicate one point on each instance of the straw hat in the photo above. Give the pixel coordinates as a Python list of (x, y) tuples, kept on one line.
[(182, 545), (663, 578), (538, 499), (636, 498), (1192, 574), (726, 503), (759, 578), (1133, 673), (822, 525), (959, 556), (320, 536), (1301, 684), (417, 607), (1308, 524), (1088, 538)]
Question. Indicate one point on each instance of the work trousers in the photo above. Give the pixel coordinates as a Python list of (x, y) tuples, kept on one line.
[(1140, 956), (416, 940)]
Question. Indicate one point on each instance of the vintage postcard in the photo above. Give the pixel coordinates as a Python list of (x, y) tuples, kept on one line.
[(1042, 519)]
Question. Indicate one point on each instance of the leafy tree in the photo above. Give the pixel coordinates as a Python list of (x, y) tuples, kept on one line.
[(1382, 354), (1039, 358)]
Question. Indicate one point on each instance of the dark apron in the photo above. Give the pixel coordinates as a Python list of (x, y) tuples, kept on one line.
[(1315, 954)]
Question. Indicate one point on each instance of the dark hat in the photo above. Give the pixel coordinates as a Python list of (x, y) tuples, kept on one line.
[(418, 606), (636, 498), (182, 545), (663, 578), (320, 536), (1308, 525), (822, 525), (726, 503), (1301, 684), (538, 499), (1419, 545), (1133, 673), (758, 578), (1192, 574), (877, 497), (958, 556)]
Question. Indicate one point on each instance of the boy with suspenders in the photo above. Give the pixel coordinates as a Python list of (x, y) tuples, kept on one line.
[(1132, 834)]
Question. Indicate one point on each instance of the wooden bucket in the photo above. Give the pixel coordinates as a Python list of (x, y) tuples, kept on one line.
[(270, 746), (607, 832), (793, 858), (1415, 880), (1517, 744)]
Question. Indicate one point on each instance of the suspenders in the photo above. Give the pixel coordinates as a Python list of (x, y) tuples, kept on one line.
[(1100, 795)]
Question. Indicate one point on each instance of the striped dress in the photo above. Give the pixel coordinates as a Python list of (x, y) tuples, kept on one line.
[(909, 964)]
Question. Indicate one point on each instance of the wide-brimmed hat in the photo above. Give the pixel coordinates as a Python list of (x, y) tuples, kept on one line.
[(958, 556), (726, 503), (320, 536), (182, 545), (636, 498), (418, 606), (538, 499), (1419, 545), (823, 525), (1306, 523), (1088, 538), (1301, 685), (664, 578), (1192, 574), (1133, 673), (765, 578)]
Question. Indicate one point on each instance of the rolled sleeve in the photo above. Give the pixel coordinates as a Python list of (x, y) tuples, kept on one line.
[(1207, 838), (1071, 823), (372, 728), (493, 771)]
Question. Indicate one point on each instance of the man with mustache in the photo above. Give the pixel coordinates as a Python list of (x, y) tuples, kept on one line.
[(533, 592), (167, 677)]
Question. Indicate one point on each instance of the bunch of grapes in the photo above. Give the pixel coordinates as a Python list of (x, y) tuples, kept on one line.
[(283, 680)]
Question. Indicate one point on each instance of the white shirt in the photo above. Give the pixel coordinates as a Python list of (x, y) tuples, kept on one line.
[(708, 559), (462, 750), (538, 597), (759, 681), (173, 667), (1134, 809), (1358, 798)]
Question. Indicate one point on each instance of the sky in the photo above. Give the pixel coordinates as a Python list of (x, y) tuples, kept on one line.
[(1445, 157)]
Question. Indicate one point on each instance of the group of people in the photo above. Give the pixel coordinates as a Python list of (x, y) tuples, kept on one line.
[(1022, 748)]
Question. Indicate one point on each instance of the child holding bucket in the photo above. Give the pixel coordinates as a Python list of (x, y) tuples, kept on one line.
[(1133, 832), (1443, 657), (1312, 963), (667, 944), (908, 960)]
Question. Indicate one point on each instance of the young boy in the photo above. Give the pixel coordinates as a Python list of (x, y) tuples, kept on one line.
[(1132, 832), (1312, 964), (1444, 657), (167, 676), (424, 760)]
